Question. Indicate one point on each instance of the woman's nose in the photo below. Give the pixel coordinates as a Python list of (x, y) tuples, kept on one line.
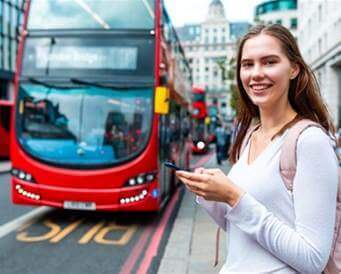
[(257, 71)]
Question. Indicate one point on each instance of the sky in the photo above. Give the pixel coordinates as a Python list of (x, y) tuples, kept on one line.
[(194, 11)]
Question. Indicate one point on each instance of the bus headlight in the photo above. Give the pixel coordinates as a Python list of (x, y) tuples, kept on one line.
[(19, 188), (22, 175), (200, 145), (141, 179), (138, 197)]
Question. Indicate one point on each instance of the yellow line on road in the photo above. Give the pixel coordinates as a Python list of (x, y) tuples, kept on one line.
[(91, 233), (54, 229), (66, 231), (129, 232)]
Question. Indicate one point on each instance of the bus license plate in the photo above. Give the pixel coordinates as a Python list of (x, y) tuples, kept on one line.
[(79, 205)]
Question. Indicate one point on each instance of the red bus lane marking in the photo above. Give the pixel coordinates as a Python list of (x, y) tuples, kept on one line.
[(136, 252), (157, 237)]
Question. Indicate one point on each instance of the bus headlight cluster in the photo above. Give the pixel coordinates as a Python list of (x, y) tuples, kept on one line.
[(22, 175), (141, 179), (25, 193), (134, 198), (200, 145)]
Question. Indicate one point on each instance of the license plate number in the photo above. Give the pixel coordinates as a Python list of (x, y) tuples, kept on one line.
[(79, 205)]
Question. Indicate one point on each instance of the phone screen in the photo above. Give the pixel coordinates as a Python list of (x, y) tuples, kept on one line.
[(171, 165)]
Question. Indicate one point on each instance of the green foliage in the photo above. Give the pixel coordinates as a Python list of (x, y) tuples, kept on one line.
[(228, 67)]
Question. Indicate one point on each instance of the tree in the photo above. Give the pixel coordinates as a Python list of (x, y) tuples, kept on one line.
[(228, 67)]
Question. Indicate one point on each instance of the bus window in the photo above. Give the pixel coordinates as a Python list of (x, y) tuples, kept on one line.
[(91, 14)]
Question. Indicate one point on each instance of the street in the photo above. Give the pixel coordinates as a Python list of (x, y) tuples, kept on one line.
[(65, 241)]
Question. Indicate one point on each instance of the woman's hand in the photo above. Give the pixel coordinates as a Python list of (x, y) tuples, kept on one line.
[(212, 185)]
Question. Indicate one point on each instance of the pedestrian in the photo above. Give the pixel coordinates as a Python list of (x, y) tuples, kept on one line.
[(221, 136), (269, 229), (227, 142)]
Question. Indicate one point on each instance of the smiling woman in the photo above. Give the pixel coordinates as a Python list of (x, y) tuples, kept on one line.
[(271, 227)]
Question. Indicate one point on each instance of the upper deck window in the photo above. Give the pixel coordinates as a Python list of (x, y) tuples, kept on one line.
[(91, 14)]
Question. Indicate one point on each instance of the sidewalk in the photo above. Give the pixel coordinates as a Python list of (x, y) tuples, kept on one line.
[(191, 245), (5, 166)]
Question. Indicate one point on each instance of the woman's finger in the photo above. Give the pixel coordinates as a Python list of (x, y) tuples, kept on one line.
[(193, 184), (199, 170), (192, 176), (212, 171), (196, 191)]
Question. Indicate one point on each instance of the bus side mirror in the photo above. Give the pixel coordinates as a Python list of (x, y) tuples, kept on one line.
[(161, 100)]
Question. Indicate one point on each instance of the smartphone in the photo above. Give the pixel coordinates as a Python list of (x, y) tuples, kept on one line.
[(173, 166)]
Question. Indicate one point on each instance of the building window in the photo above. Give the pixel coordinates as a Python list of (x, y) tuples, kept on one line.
[(293, 23), (215, 72), (279, 21), (3, 90), (320, 45)]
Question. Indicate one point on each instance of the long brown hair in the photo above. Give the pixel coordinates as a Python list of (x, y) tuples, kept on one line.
[(304, 92)]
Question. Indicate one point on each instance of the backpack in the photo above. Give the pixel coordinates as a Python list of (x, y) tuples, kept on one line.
[(287, 168)]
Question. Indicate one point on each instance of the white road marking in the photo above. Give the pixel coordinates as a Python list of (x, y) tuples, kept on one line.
[(16, 223), (5, 166)]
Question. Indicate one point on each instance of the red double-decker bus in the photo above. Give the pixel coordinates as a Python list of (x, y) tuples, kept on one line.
[(5, 114), (100, 92), (199, 115)]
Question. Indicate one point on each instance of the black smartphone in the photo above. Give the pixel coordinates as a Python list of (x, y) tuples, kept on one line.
[(173, 166)]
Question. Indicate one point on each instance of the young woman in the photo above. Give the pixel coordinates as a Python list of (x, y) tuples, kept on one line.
[(270, 230)]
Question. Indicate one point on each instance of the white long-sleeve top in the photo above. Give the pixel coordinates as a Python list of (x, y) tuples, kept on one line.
[(271, 230)]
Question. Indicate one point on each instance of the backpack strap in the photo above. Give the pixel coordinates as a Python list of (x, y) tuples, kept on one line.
[(288, 158), (251, 129)]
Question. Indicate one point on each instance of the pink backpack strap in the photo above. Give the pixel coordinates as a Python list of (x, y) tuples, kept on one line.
[(247, 137), (288, 160)]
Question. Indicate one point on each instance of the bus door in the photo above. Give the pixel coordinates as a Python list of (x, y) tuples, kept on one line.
[(164, 153)]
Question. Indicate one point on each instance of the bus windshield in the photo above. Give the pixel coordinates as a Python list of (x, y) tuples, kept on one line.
[(91, 14), (83, 126), (199, 97)]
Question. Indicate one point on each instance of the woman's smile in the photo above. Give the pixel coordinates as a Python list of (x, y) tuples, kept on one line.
[(260, 89)]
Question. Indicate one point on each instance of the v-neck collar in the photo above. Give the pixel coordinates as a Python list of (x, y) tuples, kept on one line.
[(265, 151), (261, 155)]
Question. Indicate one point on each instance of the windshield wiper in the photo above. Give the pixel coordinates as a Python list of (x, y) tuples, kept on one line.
[(111, 86), (45, 84), (87, 83)]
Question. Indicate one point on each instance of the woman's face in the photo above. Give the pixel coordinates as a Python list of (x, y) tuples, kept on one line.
[(266, 71)]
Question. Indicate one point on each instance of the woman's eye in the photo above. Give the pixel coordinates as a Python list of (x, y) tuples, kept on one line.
[(246, 65), (270, 62)]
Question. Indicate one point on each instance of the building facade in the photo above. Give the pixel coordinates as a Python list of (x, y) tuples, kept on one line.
[(10, 21), (208, 46), (282, 12), (319, 38)]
